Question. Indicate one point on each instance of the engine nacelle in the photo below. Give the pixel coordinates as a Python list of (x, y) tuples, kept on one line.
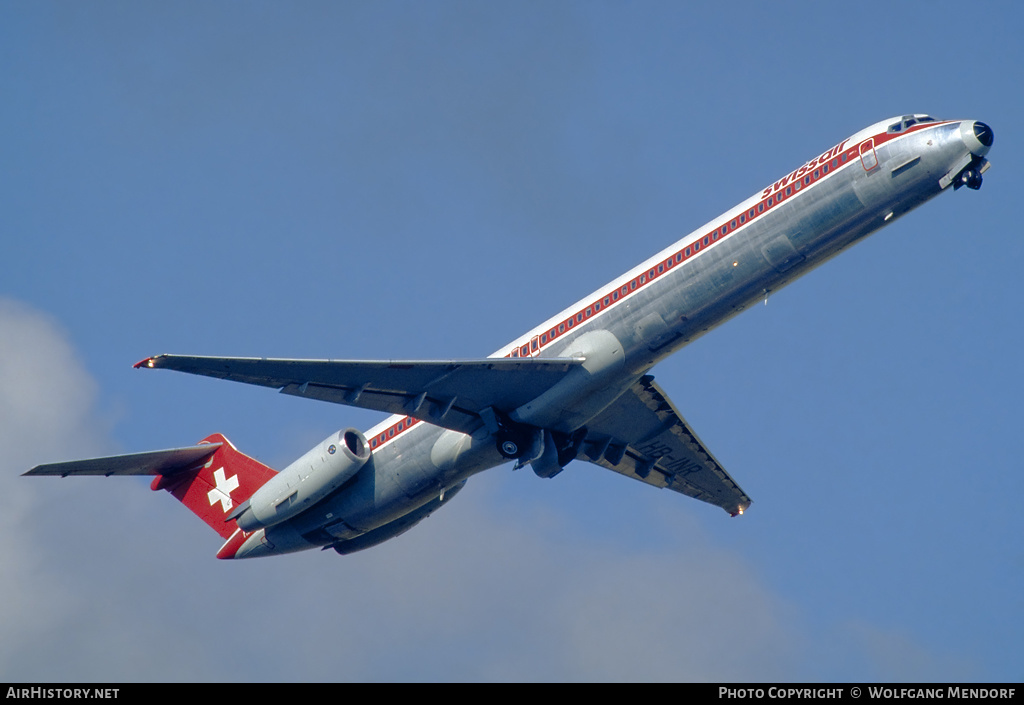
[(306, 481)]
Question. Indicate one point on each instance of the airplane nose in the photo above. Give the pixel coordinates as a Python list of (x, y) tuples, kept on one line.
[(977, 137), (983, 133)]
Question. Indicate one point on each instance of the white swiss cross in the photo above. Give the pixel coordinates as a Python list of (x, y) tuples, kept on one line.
[(222, 492)]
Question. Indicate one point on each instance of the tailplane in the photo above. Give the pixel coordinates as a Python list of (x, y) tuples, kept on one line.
[(211, 478)]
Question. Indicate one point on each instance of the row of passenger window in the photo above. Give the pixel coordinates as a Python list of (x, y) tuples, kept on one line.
[(539, 341), (390, 432)]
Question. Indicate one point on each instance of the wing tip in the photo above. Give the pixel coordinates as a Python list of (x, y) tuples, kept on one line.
[(149, 362), (740, 509)]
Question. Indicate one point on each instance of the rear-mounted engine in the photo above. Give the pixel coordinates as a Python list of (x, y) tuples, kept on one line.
[(305, 482)]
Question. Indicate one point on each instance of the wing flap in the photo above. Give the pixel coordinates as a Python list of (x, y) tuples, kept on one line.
[(643, 436), (155, 462), (447, 393)]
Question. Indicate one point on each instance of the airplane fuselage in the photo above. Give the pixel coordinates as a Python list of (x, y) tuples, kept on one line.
[(626, 327)]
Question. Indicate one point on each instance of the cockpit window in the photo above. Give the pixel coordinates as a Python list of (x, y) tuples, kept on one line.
[(908, 121)]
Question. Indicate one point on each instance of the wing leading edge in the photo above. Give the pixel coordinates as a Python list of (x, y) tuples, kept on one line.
[(154, 462), (643, 436), (447, 393)]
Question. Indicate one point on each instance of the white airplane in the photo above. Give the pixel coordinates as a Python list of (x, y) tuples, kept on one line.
[(575, 387)]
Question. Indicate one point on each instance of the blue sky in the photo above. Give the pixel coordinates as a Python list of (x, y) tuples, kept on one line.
[(421, 180)]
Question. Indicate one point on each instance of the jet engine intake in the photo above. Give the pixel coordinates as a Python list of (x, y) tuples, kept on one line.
[(305, 482)]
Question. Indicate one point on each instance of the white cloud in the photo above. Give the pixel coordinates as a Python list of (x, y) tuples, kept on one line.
[(46, 412), (896, 657), (46, 397)]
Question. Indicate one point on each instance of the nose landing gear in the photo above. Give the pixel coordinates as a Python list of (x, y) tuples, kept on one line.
[(971, 178), (967, 172)]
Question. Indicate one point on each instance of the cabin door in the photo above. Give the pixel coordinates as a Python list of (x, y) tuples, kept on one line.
[(868, 158)]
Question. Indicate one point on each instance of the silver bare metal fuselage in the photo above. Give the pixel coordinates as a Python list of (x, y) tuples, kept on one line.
[(706, 278)]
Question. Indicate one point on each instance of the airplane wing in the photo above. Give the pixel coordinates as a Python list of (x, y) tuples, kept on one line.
[(155, 462), (642, 435), (447, 393)]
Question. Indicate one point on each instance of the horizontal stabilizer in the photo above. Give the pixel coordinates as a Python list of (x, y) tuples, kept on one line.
[(209, 478), (154, 462)]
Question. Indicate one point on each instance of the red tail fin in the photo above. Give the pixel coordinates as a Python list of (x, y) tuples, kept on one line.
[(227, 479)]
